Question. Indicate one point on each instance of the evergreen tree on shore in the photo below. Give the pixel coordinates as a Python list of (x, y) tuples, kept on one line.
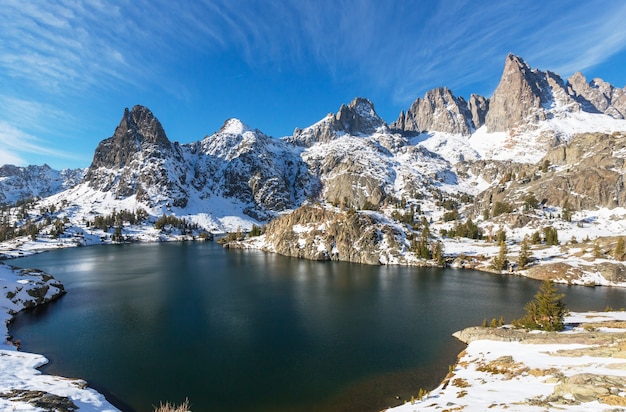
[(524, 254), (546, 312)]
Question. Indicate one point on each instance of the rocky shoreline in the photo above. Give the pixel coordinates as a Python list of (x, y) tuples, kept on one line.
[(580, 369), (22, 386)]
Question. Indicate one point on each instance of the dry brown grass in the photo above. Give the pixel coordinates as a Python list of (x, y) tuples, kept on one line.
[(460, 383), (614, 400), (170, 407), (504, 365)]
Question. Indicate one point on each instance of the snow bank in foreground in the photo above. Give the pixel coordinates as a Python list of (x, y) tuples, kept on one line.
[(22, 386), (582, 369)]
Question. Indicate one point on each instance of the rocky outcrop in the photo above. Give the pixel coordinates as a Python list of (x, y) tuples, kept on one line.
[(518, 99), (478, 107), (590, 174), (31, 288), (438, 111), (526, 96), (356, 119), (612, 273), (320, 234), (598, 96)]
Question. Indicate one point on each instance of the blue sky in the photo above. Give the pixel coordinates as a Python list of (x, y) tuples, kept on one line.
[(68, 68)]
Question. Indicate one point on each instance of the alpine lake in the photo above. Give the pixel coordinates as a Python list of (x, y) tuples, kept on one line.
[(241, 330)]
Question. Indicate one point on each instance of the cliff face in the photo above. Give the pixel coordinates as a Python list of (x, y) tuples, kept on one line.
[(598, 96), (518, 99), (439, 110), (320, 234), (584, 174)]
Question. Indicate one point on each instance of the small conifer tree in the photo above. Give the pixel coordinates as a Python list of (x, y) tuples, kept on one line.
[(500, 262), (524, 254), (546, 312)]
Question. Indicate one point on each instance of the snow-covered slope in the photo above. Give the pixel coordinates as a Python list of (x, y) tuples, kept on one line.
[(20, 183)]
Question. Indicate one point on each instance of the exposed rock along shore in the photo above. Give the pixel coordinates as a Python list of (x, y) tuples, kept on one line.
[(22, 386), (580, 369)]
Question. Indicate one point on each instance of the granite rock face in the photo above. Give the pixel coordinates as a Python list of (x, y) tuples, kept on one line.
[(478, 107), (588, 174), (598, 96), (320, 234), (438, 111), (525, 97), (518, 99)]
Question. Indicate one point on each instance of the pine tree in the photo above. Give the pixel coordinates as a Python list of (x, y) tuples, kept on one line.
[(500, 262), (546, 311), (596, 250), (524, 254), (438, 253)]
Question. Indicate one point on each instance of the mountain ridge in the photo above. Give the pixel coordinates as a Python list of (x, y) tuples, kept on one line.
[(351, 158)]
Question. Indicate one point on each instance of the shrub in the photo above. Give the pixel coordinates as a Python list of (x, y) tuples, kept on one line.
[(500, 208), (530, 202), (453, 215), (468, 229)]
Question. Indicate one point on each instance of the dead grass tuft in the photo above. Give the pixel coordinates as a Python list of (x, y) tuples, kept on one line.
[(170, 407)]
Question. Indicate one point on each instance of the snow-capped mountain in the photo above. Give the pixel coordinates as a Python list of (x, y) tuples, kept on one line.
[(264, 174), (139, 160), (441, 149), (20, 183), (529, 112)]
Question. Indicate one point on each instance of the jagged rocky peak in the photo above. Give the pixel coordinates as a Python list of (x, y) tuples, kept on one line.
[(139, 159), (519, 97), (357, 119), (598, 96), (438, 111), (525, 97), (138, 130), (141, 124)]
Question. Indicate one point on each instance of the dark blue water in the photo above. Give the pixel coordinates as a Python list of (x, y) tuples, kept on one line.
[(250, 331)]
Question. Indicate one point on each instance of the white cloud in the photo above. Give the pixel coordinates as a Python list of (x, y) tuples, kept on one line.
[(14, 143)]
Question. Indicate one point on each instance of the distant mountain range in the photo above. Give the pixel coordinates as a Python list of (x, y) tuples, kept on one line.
[(440, 145)]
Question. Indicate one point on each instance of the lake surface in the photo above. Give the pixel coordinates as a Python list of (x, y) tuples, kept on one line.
[(251, 331)]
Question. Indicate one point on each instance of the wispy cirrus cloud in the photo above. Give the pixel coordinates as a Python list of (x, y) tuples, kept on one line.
[(14, 143), (59, 52)]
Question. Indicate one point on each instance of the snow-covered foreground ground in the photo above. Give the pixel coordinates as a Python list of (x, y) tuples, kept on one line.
[(581, 369), (22, 386)]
